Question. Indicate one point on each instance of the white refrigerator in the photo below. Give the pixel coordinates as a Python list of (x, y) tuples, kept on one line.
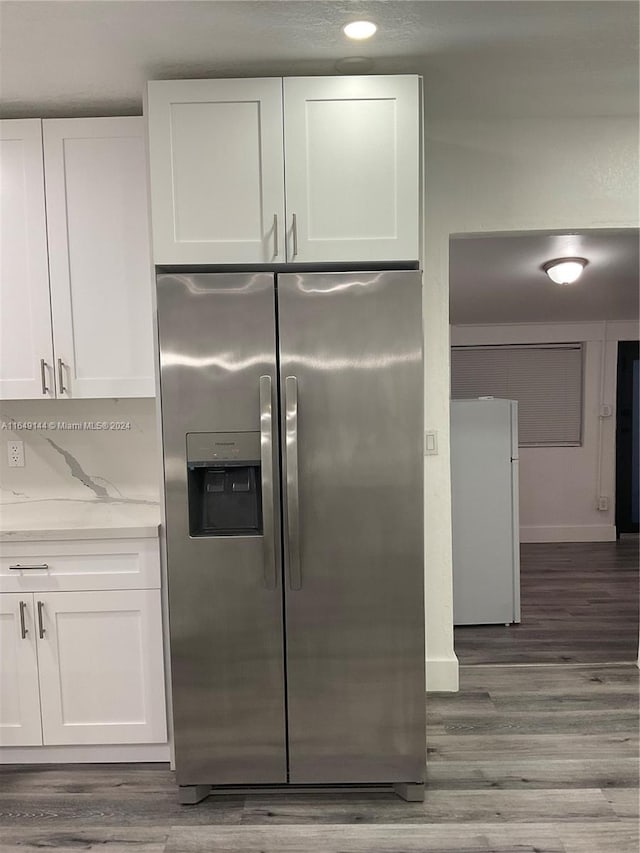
[(485, 518)]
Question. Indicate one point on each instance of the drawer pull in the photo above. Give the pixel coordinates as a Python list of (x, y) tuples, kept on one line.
[(29, 567)]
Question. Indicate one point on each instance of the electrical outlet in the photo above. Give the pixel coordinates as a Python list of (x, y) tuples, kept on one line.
[(15, 454), (603, 503)]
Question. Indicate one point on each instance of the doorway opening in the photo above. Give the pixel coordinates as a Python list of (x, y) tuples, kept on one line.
[(517, 335), (627, 438)]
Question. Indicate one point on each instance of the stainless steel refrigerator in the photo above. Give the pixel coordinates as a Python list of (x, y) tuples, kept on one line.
[(292, 432)]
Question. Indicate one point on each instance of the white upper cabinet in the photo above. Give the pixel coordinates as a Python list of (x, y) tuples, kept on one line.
[(26, 353), (346, 148), (352, 168), (76, 316), (99, 257), (217, 181)]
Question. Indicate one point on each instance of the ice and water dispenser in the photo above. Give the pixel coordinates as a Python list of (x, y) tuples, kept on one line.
[(223, 471)]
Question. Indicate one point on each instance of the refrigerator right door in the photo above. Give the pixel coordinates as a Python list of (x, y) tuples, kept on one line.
[(351, 388)]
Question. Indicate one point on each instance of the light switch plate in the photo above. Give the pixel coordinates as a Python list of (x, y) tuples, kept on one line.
[(431, 443)]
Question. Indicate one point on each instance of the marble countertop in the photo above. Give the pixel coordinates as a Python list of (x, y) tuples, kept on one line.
[(68, 518)]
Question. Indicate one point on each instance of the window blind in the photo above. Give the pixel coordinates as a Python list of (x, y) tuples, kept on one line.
[(546, 380)]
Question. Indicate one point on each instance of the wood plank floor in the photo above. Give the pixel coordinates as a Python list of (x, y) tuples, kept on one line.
[(522, 759), (579, 605)]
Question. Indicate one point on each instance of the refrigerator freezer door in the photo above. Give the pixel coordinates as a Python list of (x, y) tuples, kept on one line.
[(351, 379), (482, 512), (217, 345)]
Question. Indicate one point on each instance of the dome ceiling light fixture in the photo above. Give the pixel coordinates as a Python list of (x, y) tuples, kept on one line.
[(359, 30), (565, 270)]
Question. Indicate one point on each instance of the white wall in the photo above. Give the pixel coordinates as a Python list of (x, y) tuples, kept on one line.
[(560, 486), (499, 175)]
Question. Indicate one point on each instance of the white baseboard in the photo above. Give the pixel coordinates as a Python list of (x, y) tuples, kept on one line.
[(565, 533), (442, 675), (104, 754)]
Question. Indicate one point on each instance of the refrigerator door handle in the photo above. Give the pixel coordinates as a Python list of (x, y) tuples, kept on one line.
[(266, 468), (291, 458)]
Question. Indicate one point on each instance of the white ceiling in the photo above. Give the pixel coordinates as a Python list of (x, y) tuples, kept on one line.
[(512, 58), (87, 57), (498, 279)]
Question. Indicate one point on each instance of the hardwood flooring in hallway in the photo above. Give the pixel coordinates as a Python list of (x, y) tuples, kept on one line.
[(579, 605)]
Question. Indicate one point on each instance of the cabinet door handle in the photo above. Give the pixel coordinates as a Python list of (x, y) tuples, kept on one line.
[(41, 628), (18, 567), (61, 376), (275, 235), (294, 233), (23, 628), (43, 375)]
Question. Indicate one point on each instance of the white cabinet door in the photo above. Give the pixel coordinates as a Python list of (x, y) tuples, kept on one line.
[(19, 696), (100, 261), (26, 352), (101, 667), (352, 168), (216, 165)]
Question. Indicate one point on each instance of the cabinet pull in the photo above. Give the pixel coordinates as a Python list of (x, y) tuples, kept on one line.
[(61, 376), (23, 628), (294, 231), (33, 566), (41, 628), (43, 375), (275, 235)]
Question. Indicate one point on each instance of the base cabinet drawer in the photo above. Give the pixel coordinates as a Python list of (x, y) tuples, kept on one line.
[(89, 670), (125, 564)]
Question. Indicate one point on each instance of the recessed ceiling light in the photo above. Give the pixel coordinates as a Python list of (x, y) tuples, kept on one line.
[(359, 30), (565, 270)]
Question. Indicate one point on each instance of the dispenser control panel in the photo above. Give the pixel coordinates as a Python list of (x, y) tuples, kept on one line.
[(205, 447)]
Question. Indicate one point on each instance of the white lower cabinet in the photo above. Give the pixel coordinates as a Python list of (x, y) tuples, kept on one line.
[(83, 667), (100, 667), (19, 696)]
